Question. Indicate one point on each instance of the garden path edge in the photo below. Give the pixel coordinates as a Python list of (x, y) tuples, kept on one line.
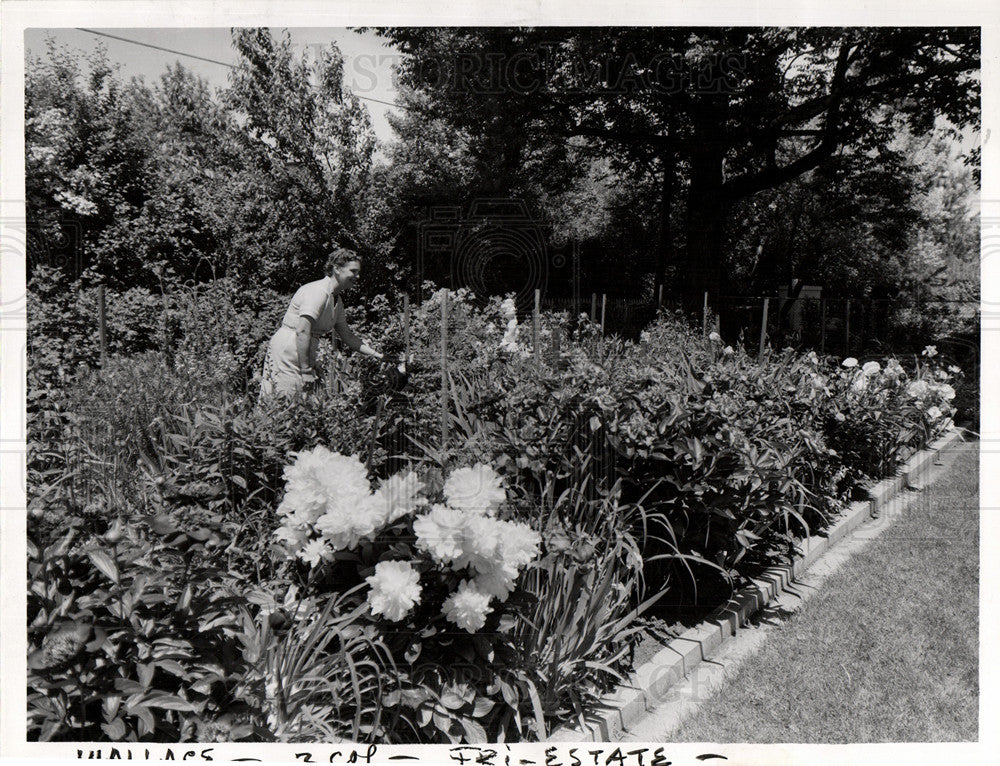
[(650, 682)]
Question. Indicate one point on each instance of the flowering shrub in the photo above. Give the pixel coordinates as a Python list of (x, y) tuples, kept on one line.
[(329, 507), (879, 415), (485, 585)]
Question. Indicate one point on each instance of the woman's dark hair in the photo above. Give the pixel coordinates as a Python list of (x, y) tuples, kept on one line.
[(339, 256)]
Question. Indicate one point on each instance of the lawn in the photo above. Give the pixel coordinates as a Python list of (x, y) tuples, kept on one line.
[(887, 652)]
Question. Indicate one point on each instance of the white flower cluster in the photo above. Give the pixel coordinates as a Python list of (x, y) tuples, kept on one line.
[(894, 370), (923, 389), (509, 311), (329, 495), (329, 506), (867, 371), (464, 535)]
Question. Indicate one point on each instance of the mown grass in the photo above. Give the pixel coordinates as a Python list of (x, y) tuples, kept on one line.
[(887, 652)]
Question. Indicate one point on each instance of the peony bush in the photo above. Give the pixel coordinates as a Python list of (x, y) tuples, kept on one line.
[(330, 508), (385, 583)]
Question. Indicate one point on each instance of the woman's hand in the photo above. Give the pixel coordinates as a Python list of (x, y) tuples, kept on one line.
[(369, 351)]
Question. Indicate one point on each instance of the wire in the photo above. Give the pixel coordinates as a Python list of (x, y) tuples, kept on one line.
[(210, 61), (155, 47)]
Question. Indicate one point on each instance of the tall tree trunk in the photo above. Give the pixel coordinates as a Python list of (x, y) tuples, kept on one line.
[(707, 206), (665, 252), (706, 218)]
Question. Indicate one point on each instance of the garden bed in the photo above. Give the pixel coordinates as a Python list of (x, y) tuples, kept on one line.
[(475, 557), (667, 663)]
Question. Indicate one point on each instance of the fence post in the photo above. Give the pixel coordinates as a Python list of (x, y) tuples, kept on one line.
[(822, 326), (847, 327), (866, 322), (593, 308), (763, 329), (535, 330), (659, 297), (102, 324), (406, 328), (704, 315), (556, 345), (444, 370), (604, 306)]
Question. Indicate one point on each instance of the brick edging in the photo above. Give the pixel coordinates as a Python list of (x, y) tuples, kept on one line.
[(648, 683)]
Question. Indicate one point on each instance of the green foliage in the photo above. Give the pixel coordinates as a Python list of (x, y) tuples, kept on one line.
[(132, 638), (650, 469)]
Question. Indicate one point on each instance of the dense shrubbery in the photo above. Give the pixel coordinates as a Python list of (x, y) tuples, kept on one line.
[(204, 566)]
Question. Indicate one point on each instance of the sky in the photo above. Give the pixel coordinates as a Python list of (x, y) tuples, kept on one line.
[(367, 58)]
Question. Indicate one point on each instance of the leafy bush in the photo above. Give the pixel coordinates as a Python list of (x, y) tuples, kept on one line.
[(642, 470), (132, 639)]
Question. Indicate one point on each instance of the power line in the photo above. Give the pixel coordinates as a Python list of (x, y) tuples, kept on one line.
[(155, 47), (210, 61)]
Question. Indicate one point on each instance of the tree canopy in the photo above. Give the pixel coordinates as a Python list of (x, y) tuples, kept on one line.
[(718, 159), (718, 114)]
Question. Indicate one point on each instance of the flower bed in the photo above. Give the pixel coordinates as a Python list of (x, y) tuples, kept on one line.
[(400, 566)]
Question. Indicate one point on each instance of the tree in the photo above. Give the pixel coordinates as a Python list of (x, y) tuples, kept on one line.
[(88, 161), (720, 114), (308, 144)]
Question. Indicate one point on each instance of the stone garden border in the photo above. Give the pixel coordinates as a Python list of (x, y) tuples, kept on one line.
[(649, 683)]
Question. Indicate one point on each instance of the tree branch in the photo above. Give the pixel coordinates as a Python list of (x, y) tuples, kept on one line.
[(745, 185)]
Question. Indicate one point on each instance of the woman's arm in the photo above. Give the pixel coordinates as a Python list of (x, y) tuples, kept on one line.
[(352, 341), (304, 346)]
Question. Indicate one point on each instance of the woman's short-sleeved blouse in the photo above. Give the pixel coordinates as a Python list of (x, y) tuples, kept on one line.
[(313, 300)]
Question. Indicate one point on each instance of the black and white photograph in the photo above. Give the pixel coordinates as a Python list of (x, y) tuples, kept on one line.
[(538, 388)]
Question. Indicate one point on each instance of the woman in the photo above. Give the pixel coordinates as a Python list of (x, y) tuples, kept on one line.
[(316, 310)]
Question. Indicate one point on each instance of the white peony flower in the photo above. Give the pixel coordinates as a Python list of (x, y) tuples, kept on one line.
[(467, 607), (728, 350), (499, 581), (508, 309), (714, 336), (953, 369), (929, 351), (850, 362), (395, 588), (917, 389), (293, 534), (934, 413), (321, 482), (344, 530), (440, 533), (481, 541), (519, 544), (315, 551), (477, 488), (398, 496), (812, 358), (946, 391), (870, 368)]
